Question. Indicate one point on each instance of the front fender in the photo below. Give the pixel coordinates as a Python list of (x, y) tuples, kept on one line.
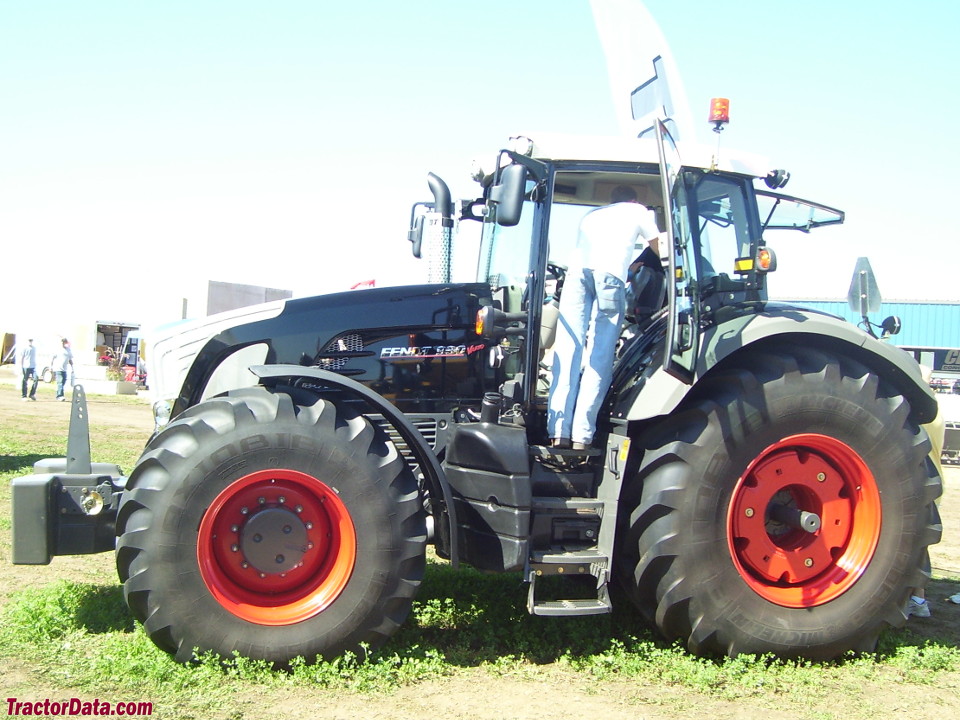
[(430, 465)]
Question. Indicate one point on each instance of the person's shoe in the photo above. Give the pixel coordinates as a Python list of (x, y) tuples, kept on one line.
[(560, 443), (955, 599), (32, 399), (917, 607), (23, 399), (62, 398), (578, 446)]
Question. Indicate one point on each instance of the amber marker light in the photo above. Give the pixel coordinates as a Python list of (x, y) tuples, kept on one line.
[(766, 260), (719, 113), (480, 323)]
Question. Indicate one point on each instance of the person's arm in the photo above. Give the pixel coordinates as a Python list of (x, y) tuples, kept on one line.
[(650, 257)]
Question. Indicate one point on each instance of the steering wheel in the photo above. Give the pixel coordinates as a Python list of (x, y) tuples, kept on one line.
[(559, 273)]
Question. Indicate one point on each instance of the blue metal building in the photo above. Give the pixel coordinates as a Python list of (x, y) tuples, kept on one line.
[(926, 325)]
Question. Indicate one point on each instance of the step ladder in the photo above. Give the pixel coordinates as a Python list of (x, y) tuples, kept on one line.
[(588, 550)]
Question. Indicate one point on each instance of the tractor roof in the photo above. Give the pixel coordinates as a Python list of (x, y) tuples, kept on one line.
[(557, 147)]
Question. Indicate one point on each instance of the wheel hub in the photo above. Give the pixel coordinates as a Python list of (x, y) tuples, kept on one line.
[(274, 540), (804, 521), (276, 547)]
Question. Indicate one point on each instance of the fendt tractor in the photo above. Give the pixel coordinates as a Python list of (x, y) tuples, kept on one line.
[(759, 481)]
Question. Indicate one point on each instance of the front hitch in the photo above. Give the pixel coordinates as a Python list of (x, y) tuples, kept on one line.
[(69, 505)]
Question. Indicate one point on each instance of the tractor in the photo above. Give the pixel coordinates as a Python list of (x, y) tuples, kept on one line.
[(759, 481)]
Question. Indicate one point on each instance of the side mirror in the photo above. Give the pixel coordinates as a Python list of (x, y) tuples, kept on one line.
[(441, 204), (508, 195), (415, 233), (891, 326)]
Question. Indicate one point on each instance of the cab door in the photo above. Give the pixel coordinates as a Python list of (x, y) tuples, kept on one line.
[(683, 324)]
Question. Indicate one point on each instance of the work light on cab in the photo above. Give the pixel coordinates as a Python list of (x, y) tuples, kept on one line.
[(765, 262)]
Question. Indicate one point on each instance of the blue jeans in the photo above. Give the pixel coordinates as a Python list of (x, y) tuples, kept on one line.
[(582, 363), (27, 374), (61, 381)]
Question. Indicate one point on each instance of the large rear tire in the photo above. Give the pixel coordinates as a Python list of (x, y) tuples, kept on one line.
[(269, 527), (715, 550)]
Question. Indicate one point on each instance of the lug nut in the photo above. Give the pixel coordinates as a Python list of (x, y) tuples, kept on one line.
[(748, 512), (262, 500), (808, 562), (282, 499), (821, 477), (234, 528), (244, 510), (299, 508), (234, 548)]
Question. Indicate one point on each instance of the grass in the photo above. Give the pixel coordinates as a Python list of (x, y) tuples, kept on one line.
[(79, 635)]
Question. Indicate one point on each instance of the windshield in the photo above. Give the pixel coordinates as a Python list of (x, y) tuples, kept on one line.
[(505, 251)]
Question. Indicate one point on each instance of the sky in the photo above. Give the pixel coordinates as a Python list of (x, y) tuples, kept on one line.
[(147, 147)]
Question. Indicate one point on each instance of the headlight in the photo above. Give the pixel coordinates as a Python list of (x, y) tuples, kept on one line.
[(161, 414)]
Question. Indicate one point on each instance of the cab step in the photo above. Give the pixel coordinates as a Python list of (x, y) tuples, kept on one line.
[(556, 608), (572, 564), (599, 605)]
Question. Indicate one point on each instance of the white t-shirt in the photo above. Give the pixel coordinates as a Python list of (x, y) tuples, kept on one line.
[(62, 359), (608, 237), (28, 357)]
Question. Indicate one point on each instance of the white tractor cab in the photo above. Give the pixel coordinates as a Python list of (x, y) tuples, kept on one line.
[(538, 191)]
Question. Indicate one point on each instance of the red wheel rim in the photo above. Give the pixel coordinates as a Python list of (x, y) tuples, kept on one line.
[(786, 564), (276, 547)]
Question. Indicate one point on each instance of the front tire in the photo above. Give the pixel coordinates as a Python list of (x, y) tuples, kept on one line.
[(269, 527), (715, 548)]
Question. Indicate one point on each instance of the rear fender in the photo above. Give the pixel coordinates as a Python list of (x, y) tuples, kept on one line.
[(433, 474), (650, 392)]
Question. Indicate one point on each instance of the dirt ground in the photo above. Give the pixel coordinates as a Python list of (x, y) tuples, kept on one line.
[(476, 694)]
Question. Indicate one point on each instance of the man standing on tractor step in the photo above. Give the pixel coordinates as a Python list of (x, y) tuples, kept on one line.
[(594, 295)]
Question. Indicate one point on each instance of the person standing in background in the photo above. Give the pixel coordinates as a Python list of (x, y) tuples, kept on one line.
[(27, 357), (60, 362)]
